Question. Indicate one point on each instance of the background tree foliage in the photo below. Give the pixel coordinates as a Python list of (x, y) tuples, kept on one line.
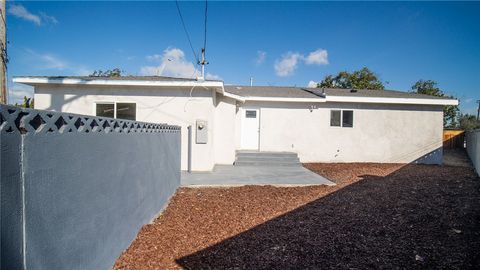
[(450, 113), (359, 79), (27, 103), (468, 122), (116, 72)]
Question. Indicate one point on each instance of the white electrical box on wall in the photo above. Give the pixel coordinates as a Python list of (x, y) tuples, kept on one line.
[(201, 132)]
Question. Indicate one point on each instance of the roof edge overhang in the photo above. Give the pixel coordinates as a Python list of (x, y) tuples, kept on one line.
[(281, 99), (272, 99), (339, 99), (219, 87), (32, 81), (382, 100)]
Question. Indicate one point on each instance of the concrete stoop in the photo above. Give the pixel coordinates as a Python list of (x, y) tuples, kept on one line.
[(256, 158)]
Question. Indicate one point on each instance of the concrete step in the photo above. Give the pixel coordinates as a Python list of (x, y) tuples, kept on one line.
[(265, 154), (266, 158), (266, 163), (255, 158)]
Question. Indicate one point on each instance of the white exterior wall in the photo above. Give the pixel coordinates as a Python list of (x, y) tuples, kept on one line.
[(224, 132), (381, 133), (473, 148), (156, 105)]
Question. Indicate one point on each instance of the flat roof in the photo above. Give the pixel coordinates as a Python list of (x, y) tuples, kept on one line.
[(369, 93), (147, 81), (269, 91), (251, 93), (121, 78), (275, 93)]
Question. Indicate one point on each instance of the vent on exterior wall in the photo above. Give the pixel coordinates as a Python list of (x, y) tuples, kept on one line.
[(353, 90)]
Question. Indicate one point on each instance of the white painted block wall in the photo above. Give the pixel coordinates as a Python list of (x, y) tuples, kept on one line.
[(156, 105), (381, 133), (473, 148)]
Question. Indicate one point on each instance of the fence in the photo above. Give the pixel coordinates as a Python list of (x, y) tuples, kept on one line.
[(453, 138), (473, 148), (76, 189)]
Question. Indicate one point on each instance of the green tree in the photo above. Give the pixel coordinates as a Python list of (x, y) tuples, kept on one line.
[(468, 122), (116, 72), (450, 112), (359, 79), (27, 103)]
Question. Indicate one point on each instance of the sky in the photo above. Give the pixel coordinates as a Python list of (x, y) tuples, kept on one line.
[(276, 43)]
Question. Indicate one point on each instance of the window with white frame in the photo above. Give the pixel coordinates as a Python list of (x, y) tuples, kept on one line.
[(120, 110), (335, 116), (341, 118)]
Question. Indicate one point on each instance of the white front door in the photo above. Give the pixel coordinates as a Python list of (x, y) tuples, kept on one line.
[(250, 128)]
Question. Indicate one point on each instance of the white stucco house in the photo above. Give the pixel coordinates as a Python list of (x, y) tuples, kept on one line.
[(320, 125)]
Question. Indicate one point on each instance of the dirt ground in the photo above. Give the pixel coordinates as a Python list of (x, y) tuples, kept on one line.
[(378, 216)]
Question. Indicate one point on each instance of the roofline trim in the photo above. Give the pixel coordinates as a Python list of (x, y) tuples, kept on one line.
[(419, 101), (70, 81), (233, 96), (282, 99)]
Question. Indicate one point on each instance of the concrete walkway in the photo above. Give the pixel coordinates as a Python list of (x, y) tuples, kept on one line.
[(226, 175), (456, 157)]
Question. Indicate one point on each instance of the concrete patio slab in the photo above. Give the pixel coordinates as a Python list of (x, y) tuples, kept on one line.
[(227, 175)]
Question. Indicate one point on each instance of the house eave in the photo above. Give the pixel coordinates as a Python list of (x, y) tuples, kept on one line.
[(72, 81), (381, 100), (282, 99)]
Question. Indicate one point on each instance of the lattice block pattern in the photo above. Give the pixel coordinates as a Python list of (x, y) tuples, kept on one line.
[(13, 119)]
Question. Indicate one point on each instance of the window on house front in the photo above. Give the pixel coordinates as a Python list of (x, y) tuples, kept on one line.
[(106, 110), (347, 118), (335, 118), (341, 118), (127, 111)]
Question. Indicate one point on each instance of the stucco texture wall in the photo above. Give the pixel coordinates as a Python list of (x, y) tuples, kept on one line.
[(224, 131), (180, 106), (381, 133), (473, 148), (76, 199)]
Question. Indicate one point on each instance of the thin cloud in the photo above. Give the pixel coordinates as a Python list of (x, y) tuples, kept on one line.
[(468, 100), (48, 61), (210, 76), (287, 65), (17, 91), (318, 57), (47, 18), (312, 84), (21, 12), (261, 56), (172, 63)]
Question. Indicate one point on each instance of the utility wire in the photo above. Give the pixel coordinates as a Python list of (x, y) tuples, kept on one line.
[(186, 31)]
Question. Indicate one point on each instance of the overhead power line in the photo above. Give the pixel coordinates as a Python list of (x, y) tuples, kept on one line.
[(186, 31)]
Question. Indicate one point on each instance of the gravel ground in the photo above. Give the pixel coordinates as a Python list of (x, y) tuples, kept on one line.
[(378, 216)]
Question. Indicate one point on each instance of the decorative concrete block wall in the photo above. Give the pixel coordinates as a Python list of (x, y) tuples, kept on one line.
[(76, 189), (473, 148)]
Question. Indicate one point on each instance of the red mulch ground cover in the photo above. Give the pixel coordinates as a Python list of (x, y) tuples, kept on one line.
[(378, 216)]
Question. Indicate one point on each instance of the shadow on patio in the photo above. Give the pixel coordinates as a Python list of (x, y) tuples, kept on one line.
[(416, 217)]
